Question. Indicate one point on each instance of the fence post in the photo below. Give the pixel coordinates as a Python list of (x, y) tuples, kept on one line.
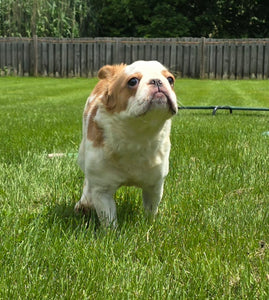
[(202, 58), (35, 58)]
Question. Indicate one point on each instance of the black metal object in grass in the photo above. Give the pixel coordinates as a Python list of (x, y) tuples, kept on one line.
[(225, 107)]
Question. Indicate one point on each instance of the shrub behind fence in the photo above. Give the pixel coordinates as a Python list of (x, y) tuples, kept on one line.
[(186, 57)]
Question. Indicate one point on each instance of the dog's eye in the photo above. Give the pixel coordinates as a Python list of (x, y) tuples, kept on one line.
[(170, 80), (133, 82)]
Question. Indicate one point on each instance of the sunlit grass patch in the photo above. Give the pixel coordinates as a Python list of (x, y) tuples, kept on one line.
[(210, 238)]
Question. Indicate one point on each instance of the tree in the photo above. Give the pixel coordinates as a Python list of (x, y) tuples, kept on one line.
[(243, 18), (139, 18), (162, 19), (152, 18)]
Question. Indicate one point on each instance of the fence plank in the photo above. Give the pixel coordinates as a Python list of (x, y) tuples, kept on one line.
[(2, 58), (219, 62), (253, 61), (32, 59), (266, 61), (178, 67), (141, 50), (260, 62), (193, 56), (20, 58), (77, 59), (8, 58), (90, 51), (26, 58), (14, 59), (201, 58), (167, 53), (185, 58), (109, 52), (57, 60), (63, 60), (225, 61), (173, 58), (83, 60), (51, 61), (246, 62), (44, 65), (35, 63), (147, 51), (70, 59), (102, 55), (96, 57), (154, 52), (239, 58), (212, 61), (206, 60), (134, 52)]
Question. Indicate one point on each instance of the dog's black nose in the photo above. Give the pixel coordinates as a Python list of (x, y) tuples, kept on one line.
[(156, 82)]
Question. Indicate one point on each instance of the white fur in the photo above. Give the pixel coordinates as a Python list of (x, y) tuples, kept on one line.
[(135, 151)]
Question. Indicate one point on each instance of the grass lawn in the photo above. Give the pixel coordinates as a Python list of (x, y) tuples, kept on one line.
[(210, 239)]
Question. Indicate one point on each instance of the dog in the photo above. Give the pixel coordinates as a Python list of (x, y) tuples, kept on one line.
[(126, 129)]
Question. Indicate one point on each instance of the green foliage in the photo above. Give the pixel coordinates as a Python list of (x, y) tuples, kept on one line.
[(247, 17), (164, 19), (140, 18), (43, 17)]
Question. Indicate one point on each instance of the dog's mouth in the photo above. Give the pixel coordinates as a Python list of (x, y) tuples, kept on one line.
[(161, 100)]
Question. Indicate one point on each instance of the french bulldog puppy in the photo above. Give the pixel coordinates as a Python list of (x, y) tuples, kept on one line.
[(126, 128)]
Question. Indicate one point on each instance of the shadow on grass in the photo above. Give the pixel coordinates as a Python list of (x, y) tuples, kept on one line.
[(63, 214)]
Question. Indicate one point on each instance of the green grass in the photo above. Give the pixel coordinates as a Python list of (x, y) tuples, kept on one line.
[(210, 239)]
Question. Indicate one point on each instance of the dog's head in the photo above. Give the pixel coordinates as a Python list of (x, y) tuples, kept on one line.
[(137, 89)]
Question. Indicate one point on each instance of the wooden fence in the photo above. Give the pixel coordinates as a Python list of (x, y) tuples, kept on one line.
[(186, 57)]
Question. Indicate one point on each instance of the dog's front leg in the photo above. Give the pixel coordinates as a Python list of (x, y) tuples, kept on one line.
[(105, 206), (85, 203), (152, 196)]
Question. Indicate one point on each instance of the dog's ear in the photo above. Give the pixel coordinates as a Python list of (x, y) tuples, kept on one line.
[(109, 71), (108, 75), (105, 72)]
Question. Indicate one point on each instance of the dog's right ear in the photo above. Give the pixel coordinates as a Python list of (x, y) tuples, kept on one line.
[(108, 71), (110, 84), (105, 72)]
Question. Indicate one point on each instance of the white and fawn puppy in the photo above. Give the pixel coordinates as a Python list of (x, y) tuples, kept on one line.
[(126, 127)]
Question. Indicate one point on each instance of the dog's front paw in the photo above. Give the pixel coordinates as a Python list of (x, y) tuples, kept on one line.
[(83, 208)]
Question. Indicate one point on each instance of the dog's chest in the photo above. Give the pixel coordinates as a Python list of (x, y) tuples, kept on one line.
[(139, 164)]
